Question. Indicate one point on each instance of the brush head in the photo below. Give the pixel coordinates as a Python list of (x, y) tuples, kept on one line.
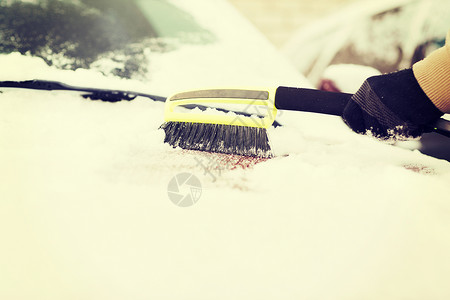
[(220, 138), (240, 132)]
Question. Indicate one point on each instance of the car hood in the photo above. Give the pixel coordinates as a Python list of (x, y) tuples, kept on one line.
[(86, 211)]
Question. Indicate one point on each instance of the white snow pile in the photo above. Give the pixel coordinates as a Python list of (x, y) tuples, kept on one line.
[(85, 211), (348, 78)]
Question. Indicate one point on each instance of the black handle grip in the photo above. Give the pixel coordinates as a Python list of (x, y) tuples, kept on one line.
[(309, 100)]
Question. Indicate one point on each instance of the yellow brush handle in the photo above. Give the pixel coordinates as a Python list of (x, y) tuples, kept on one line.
[(255, 97)]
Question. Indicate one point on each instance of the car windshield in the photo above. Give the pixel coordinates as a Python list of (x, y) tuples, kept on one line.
[(86, 33)]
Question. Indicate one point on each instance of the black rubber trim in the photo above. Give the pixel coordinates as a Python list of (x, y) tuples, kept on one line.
[(441, 126)]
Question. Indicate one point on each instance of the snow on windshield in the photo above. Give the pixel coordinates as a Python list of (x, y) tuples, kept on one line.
[(85, 209), (85, 34)]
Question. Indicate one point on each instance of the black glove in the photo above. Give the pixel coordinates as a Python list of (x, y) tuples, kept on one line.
[(391, 106)]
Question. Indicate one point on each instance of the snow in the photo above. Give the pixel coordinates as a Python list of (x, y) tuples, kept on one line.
[(85, 214), (84, 186), (348, 77)]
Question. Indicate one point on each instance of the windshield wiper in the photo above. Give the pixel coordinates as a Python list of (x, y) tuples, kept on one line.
[(90, 93)]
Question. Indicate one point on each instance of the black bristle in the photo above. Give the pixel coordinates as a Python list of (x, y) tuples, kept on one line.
[(228, 139)]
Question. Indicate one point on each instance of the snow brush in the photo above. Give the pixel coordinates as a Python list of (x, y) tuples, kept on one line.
[(245, 133)]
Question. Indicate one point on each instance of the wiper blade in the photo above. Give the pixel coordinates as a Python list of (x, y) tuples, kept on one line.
[(91, 93)]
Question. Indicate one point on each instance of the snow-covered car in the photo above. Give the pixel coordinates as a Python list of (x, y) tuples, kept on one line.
[(88, 189), (367, 38), (385, 35)]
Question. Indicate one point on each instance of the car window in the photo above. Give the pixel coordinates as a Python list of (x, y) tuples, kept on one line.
[(170, 21), (397, 38), (86, 33)]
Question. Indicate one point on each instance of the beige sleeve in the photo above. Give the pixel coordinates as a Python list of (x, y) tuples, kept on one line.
[(433, 75)]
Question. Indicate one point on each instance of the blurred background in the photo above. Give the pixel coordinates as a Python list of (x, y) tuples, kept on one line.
[(278, 20), (338, 43)]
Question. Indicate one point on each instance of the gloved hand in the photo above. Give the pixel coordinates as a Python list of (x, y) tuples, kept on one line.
[(391, 106)]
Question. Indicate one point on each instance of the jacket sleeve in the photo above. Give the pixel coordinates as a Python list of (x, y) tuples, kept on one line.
[(433, 75)]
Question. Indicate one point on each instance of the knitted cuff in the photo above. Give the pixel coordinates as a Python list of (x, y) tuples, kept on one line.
[(433, 76)]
